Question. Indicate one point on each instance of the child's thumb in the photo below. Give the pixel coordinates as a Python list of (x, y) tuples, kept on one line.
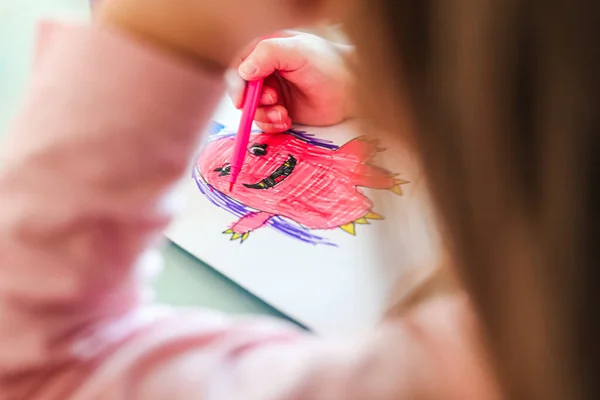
[(270, 55)]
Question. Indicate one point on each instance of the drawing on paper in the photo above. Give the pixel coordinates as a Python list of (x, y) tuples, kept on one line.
[(294, 182)]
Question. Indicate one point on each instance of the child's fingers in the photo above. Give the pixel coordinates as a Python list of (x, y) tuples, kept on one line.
[(277, 54), (236, 87), (275, 115), (268, 96), (275, 128), (252, 45), (273, 119)]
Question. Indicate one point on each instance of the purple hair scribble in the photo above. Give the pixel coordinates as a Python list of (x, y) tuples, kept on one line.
[(217, 131)]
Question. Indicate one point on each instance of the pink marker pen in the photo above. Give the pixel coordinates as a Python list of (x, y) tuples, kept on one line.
[(251, 98)]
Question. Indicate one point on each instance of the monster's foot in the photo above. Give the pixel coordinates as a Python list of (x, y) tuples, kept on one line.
[(351, 227), (236, 235)]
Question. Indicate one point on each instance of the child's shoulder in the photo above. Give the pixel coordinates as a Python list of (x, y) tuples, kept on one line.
[(450, 336)]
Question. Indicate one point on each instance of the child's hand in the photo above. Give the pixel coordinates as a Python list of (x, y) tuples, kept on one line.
[(307, 80), (208, 31)]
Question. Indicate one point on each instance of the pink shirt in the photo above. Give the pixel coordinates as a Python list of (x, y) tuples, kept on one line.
[(86, 187)]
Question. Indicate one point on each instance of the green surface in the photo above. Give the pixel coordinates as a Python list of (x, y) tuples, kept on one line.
[(185, 281), (188, 281)]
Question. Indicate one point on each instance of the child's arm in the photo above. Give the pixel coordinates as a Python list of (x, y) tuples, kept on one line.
[(106, 129)]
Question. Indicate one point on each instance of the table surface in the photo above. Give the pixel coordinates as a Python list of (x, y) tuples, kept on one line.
[(186, 280)]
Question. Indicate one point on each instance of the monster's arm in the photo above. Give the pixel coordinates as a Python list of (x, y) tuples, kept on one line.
[(251, 222)]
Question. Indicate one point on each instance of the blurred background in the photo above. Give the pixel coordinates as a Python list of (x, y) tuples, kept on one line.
[(186, 280)]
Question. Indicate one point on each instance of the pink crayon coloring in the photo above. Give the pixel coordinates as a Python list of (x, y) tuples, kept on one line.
[(251, 99), (284, 175)]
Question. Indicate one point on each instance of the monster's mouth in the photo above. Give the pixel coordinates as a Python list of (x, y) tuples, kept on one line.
[(277, 176)]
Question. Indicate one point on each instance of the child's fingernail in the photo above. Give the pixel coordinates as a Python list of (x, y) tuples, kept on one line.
[(249, 68), (274, 116), (267, 98)]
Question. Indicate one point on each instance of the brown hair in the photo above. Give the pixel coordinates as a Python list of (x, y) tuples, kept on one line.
[(498, 97)]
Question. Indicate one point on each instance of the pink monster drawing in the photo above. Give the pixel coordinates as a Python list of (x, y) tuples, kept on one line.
[(295, 177)]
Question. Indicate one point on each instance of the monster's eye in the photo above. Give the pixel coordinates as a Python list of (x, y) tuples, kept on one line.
[(258, 149), (224, 170)]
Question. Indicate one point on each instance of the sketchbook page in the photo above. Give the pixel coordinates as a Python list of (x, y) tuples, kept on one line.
[(318, 225)]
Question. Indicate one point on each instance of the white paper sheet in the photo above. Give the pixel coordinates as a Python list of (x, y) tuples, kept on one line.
[(331, 289)]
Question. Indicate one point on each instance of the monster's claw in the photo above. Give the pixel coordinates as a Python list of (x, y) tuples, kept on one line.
[(373, 215), (349, 228), (236, 235), (397, 186), (373, 142)]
